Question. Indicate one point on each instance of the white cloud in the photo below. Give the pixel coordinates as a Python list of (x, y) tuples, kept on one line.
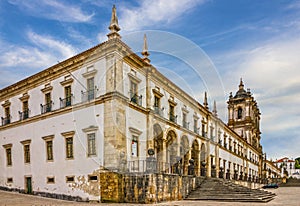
[(17, 61), (53, 9), (151, 12)]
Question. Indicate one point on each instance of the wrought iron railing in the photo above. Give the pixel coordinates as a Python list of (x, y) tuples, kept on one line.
[(46, 107), (88, 95), (185, 124), (173, 118), (137, 99), (24, 115), (66, 102), (6, 120), (158, 110)]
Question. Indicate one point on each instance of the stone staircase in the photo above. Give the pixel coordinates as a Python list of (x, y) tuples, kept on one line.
[(224, 190)]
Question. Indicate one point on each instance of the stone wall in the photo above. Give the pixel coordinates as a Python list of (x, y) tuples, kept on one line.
[(146, 188)]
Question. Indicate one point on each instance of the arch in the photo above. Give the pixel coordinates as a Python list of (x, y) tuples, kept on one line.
[(203, 159), (158, 142), (171, 151), (184, 153), (239, 113), (195, 156)]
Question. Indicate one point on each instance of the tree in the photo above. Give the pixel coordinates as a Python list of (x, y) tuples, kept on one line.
[(297, 163)]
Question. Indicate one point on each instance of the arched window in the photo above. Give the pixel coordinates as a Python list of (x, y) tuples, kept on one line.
[(240, 113)]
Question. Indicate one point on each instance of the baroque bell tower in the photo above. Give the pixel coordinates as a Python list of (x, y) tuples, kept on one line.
[(244, 115)]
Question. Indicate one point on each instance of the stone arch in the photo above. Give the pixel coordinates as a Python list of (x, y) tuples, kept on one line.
[(158, 142), (196, 156), (184, 153), (171, 150), (203, 159)]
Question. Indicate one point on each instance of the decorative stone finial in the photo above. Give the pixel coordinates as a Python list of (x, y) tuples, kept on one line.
[(114, 25), (241, 86), (145, 52), (215, 109), (205, 101)]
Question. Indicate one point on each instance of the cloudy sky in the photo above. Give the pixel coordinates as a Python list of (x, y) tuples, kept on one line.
[(257, 40)]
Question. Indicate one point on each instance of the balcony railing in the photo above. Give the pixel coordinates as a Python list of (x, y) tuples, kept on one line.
[(158, 111), (6, 120), (185, 124), (24, 115), (136, 98), (88, 95), (46, 107), (66, 102), (173, 118)]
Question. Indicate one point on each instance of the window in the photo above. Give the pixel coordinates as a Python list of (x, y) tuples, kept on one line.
[(67, 101), (240, 113), (27, 153), (25, 110), (48, 103), (91, 144), (8, 157), (49, 146), (70, 179), (134, 92), (26, 146), (91, 88), (69, 147), (196, 126), (9, 180), (69, 144), (8, 152), (6, 119), (50, 180), (93, 178), (172, 116), (134, 146)]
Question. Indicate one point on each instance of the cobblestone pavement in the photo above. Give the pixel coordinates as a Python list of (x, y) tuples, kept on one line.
[(288, 196)]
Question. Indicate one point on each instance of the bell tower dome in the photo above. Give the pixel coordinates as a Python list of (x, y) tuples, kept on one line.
[(244, 115)]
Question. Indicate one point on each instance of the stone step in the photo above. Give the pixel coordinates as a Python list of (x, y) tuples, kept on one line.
[(224, 190)]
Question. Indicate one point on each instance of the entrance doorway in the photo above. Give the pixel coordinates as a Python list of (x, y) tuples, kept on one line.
[(28, 185)]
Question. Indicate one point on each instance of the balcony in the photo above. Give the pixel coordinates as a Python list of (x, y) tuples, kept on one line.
[(46, 107), (136, 99), (6, 120), (24, 115), (172, 118), (185, 124), (88, 95), (65, 102), (158, 110)]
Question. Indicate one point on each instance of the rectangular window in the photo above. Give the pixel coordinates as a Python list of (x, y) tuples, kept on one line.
[(27, 153), (69, 147), (48, 105), (68, 96), (25, 110), (49, 146), (8, 157), (50, 180), (134, 92), (10, 180), (156, 101), (196, 126), (7, 112), (91, 144), (93, 178), (91, 88), (69, 179), (134, 146)]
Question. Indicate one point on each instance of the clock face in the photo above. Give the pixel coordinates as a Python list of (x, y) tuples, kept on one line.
[(150, 152)]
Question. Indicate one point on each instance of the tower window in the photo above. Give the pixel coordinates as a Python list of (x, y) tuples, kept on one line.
[(240, 113)]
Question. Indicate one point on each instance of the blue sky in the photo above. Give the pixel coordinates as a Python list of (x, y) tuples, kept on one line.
[(254, 39)]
